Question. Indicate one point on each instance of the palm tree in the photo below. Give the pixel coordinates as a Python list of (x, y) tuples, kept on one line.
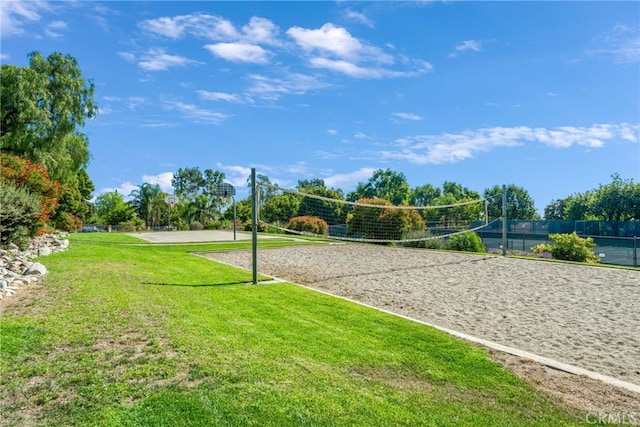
[(148, 201)]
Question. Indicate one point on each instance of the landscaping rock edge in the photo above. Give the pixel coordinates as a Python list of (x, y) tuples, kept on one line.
[(18, 268)]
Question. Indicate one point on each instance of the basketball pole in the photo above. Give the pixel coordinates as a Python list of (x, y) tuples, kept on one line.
[(254, 226)]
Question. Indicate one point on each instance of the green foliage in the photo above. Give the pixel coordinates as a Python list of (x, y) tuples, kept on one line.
[(428, 243), (262, 227), (382, 223), (571, 247), (384, 184), (618, 200), (197, 194), (196, 225), (332, 212), (453, 193), (148, 202), (424, 195), (555, 209), (542, 248), (112, 209), (467, 242), (309, 224), (280, 208), (127, 227), (42, 108), (520, 205), (67, 222), (19, 215), (33, 178)]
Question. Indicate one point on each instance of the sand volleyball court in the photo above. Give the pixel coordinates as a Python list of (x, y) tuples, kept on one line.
[(586, 316)]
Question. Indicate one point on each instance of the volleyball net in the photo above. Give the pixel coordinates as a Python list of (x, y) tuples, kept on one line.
[(368, 220)]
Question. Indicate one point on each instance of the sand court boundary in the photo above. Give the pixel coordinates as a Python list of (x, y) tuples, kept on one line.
[(568, 329)]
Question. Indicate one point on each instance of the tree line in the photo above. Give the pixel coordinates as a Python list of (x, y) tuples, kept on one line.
[(44, 182)]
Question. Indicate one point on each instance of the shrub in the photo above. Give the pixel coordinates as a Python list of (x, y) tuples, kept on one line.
[(19, 213), (34, 179), (431, 243), (127, 227), (467, 242), (382, 223), (195, 225), (541, 249), (68, 222), (262, 227), (309, 224), (571, 247)]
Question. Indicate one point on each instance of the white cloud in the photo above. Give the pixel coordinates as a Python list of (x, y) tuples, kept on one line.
[(163, 179), (272, 88), (357, 71), (239, 52), (349, 180), (358, 17), (158, 60), (14, 15), (52, 29), (127, 56), (621, 45), (124, 190), (406, 116), (4, 56), (133, 102), (211, 27), (195, 113), (261, 30), (338, 42), (235, 175), (474, 45), (451, 148), (362, 135), (200, 25), (219, 96), (552, 94), (332, 131)]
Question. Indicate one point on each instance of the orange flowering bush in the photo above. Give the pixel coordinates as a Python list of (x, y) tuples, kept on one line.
[(309, 224), (33, 178)]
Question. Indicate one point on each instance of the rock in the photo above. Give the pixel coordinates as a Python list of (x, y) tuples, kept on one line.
[(44, 251), (17, 268), (36, 268), (63, 243)]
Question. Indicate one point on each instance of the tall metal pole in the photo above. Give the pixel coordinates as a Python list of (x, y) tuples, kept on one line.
[(504, 220), (234, 217), (254, 226)]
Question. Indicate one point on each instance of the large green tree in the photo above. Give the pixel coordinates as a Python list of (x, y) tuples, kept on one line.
[(332, 212), (384, 184), (424, 195), (453, 193), (197, 194), (618, 200), (148, 202), (520, 205), (44, 106), (112, 209)]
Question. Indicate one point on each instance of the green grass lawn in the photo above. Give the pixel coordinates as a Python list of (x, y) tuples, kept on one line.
[(126, 335)]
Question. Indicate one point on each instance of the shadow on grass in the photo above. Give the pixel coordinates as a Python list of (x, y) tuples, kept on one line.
[(198, 285)]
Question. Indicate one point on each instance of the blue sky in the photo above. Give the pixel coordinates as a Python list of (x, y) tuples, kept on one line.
[(545, 95)]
